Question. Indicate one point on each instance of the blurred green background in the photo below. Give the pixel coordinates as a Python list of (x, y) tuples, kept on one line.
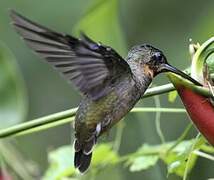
[(167, 25)]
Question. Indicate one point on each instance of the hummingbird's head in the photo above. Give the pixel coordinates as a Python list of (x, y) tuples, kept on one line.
[(152, 61)]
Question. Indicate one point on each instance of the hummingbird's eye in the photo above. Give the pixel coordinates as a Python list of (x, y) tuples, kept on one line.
[(157, 57)]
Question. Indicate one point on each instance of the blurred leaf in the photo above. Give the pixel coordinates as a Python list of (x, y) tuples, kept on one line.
[(152, 149), (177, 162), (15, 160), (172, 96), (177, 158), (104, 154), (197, 143), (102, 24), (143, 163), (61, 163), (12, 92), (61, 160)]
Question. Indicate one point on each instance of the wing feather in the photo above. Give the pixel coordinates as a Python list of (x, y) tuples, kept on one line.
[(89, 66)]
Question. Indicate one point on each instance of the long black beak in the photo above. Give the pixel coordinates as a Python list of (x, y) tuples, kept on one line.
[(169, 68)]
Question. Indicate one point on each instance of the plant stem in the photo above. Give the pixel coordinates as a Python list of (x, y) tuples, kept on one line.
[(187, 167), (17, 129), (164, 110), (169, 87), (204, 155), (63, 118), (37, 124), (157, 120), (118, 136), (159, 90), (46, 126), (181, 138)]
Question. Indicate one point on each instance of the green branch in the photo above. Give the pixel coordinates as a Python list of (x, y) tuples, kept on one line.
[(181, 138), (31, 125), (159, 90), (68, 116), (169, 87), (63, 118)]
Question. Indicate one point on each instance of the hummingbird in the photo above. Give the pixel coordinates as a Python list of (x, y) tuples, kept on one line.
[(110, 85)]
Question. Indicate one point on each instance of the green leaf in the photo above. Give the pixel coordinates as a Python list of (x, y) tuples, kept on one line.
[(177, 158), (174, 159), (152, 149), (143, 163), (104, 155), (172, 96), (12, 91), (61, 163), (102, 24), (145, 157), (177, 163)]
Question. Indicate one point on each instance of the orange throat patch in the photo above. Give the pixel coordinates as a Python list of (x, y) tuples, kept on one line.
[(148, 71)]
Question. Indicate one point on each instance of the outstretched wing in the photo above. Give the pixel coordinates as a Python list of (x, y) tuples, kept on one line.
[(88, 65)]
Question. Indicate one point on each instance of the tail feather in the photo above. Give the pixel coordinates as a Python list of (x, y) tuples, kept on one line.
[(82, 161), (83, 154), (77, 159), (88, 146)]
